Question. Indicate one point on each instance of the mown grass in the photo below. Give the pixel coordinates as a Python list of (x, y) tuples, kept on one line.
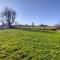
[(18, 44)]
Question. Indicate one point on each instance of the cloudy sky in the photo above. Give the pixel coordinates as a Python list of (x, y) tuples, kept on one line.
[(37, 11)]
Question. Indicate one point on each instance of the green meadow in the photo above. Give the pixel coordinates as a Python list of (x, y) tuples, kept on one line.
[(25, 44)]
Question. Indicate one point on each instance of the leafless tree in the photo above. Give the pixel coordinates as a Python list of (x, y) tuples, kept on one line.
[(9, 16), (33, 24), (57, 26)]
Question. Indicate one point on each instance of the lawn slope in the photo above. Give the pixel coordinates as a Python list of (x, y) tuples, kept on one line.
[(18, 44)]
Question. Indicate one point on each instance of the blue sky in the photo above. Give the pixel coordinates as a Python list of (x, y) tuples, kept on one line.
[(37, 11)]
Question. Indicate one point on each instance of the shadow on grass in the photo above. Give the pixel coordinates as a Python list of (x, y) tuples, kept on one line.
[(38, 30), (33, 30)]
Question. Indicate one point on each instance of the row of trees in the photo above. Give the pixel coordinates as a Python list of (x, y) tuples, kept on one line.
[(8, 16)]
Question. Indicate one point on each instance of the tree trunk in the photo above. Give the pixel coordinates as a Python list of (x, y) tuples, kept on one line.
[(9, 25)]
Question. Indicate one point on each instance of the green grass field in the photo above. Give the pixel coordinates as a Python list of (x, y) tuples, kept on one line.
[(18, 44)]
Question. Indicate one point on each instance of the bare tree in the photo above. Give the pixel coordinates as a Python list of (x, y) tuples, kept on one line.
[(57, 26), (9, 16), (33, 24)]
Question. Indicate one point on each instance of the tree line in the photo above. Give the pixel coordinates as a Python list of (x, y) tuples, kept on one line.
[(8, 16)]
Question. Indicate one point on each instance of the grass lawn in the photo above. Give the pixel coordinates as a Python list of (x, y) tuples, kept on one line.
[(18, 44)]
